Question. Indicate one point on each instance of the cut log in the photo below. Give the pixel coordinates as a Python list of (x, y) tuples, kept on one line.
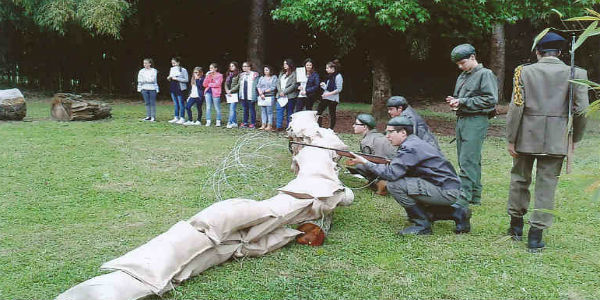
[(315, 231), (12, 105), (72, 107)]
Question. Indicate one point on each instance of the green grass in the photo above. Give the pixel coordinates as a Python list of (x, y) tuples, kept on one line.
[(75, 195)]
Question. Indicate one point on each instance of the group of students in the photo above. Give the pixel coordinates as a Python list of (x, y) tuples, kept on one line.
[(293, 90)]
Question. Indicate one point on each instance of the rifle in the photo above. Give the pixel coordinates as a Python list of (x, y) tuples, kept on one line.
[(372, 158), (570, 120)]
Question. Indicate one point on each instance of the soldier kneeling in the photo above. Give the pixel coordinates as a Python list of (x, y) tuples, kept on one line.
[(420, 179)]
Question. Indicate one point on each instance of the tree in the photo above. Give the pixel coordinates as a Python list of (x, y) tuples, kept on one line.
[(256, 34)]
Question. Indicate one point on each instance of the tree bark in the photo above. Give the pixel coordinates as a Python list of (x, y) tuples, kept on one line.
[(497, 56), (256, 34), (12, 105), (72, 107), (382, 88)]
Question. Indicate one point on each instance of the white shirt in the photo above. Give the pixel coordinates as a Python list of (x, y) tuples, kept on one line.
[(147, 80), (283, 82)]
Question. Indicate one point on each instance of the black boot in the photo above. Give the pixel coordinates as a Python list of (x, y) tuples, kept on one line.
[(516, 228), (462, 218), (417, 215), (439, 213), (534, 240)]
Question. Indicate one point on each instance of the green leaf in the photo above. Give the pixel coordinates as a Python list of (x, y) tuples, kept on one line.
[(585, 18), (589, 31), (560, 15), (593, 12), (539, 37), (585, 82)]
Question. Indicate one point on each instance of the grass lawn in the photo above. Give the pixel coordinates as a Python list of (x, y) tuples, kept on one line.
[(75, 195)]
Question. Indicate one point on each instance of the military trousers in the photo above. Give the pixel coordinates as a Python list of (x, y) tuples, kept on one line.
[(409, 191), (470, 133), (547, 171)]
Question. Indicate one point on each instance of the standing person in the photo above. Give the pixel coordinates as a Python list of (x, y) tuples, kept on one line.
[(536, 131), (475, 98), (232, 86), (331, 96), (148, 86), (267, 88), (178, 78), (309, 91), (196, 96), (419, 178), (212, 93), (248, 94), (286, 87), (398, 106)]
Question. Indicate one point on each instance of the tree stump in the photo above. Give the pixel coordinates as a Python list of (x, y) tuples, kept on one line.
[(12, 105), (315, 231), (72, 107)]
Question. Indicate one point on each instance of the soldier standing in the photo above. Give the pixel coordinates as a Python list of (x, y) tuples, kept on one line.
[(398, 106), (419, 177), (536, 131), (475, 98)]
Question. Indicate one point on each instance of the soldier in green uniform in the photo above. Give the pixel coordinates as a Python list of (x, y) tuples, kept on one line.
[(536, 131), (398, 106), (475, 98), (419, 178), (373, 143)]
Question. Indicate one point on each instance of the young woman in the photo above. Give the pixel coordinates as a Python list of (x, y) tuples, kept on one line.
[(178, 78), (148, 86), (212, 93), (232, 86), (331, 96), (286, 87), (267, 87), (196, 96), (309, 92), (248, 95)]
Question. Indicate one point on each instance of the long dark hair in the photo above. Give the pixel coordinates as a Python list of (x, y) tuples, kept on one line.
[(237, 69), (309, 60), (270, 70), (290, 64)]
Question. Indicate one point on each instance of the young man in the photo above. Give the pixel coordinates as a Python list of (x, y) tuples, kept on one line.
[(536, 131), (419, 178), (373, 143), (398, 106), (475, 98)]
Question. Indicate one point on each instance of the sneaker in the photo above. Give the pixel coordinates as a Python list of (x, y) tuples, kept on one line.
[(152, 120), (146, 119), (207, 123), (234, 125), (175, 119), (188, 123), (197, 123), (251, 126), (218, 123), (181, 121), (244, 125), (228, 125)]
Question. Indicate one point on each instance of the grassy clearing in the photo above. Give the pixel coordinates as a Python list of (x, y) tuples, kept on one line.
[(75, 195)]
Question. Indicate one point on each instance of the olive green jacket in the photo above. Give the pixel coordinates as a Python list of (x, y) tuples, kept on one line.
[(476, 91), (375, 143), (291, 87), (539, 124)]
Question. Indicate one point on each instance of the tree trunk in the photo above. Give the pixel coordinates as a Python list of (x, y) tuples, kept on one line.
[(315, 231), (497, 56), (71, 107), (256, 34), (12, 105), (382, 88)]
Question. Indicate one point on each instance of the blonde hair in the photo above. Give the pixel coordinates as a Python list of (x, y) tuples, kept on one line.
[(199, 69)]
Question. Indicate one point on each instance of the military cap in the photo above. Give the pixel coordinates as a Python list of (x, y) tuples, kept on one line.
[(551, 42), (396, 101), (400, 121), (367, 119), (461, 52)]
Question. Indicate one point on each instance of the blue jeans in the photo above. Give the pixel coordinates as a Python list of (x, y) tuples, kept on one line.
[(190, 104), (232, 113), (216, 102), (249, 108), (289, 107), (150, 101), (267, 114), (178, 103)]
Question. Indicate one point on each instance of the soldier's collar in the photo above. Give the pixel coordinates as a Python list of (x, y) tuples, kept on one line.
[(550, 59), (477, 68)]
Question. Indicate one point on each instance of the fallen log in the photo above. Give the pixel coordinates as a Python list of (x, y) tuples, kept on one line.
[(12, 105), (72, 107)]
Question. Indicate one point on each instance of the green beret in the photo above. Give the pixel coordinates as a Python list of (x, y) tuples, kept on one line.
[(461, 52), (396, 101), (400, 121), (367, 119)]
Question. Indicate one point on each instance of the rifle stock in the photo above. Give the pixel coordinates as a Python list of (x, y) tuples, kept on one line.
[(372, 158)]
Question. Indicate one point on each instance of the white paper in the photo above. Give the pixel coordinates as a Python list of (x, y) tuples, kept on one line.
[(282, 101), (266, 102), (301, 74), (231, 98)]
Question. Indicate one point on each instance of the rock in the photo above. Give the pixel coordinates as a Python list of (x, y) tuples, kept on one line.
[(12, 105)]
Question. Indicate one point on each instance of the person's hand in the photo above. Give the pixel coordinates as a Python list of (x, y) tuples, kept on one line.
[(511, 150), (300, 88), (323, 85), (303, 93), (169, 78), (357, 160), (326, 94), (262, 96), (281, 94)]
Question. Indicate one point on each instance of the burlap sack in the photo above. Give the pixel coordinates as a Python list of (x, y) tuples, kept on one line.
[(285, 208), (113, 286), (157, 261), (270, 242), (209, 258), (304, 124), (323, 206), (221, 219)]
